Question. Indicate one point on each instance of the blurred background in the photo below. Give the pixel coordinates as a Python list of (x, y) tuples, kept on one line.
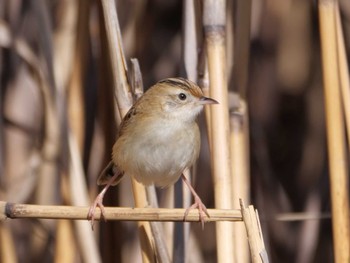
[(56, 80)]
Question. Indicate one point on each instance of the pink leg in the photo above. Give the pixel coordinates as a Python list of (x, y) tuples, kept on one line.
[(98, 202), (197, 203)]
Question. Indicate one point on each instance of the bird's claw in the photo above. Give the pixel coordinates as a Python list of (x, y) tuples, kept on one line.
[(202, 210), (92, 210)]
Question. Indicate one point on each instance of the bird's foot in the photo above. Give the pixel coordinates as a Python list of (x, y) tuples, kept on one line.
[(97, 203), (202, 210), (99, 199)]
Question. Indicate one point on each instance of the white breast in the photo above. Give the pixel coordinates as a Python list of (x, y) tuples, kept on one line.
[(159, 153)]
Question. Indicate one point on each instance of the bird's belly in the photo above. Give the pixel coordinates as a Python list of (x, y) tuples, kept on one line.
[(160, 159)]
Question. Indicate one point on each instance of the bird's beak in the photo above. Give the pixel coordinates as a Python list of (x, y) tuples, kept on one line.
[(205, 100)]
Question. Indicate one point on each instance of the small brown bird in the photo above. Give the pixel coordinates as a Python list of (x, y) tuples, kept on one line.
[(158, 139)]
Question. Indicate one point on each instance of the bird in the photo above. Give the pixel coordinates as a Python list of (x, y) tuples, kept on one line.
[(158, 140)]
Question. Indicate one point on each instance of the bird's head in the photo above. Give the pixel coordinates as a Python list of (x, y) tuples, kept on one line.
[(180, 98)]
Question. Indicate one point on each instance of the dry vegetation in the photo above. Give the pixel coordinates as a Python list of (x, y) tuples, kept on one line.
[(279, 139)]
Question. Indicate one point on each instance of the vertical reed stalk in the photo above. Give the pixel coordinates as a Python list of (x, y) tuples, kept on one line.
[(65, 249), (239, 123), (69, 66), (203, 82), (240, 175), (120, 82), (145, 233), (76, 108), (69, 62), (7, 245), (344, 75), (190, 62), (214, 20), (124, 102), (338, 169), (80, 197)]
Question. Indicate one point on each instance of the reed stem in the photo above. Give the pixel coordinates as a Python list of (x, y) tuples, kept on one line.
[(11, 210), (214, 19), (338, 170)]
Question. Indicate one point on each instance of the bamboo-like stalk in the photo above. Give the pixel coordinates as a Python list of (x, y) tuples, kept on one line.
[(338, 169), (214, 20), (12, 210), (240, 174), (190, 39), (124, 102)]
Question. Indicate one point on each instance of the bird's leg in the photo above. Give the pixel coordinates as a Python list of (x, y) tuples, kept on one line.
[(98, 201), (197, 203)]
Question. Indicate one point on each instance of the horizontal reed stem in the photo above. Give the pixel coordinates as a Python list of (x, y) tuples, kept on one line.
[(11, 210)]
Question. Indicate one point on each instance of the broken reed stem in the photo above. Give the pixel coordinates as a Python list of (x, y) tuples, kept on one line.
[(255, 238), (338, 170), (214, 20), (11, 210)]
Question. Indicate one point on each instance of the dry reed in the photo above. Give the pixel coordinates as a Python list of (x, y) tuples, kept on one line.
[(254, 233), (60, 63), (10, 210), (214, 28), (338, 167), (239, 121)]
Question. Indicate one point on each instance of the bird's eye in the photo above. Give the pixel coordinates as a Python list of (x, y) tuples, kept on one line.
[(182, 96)]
